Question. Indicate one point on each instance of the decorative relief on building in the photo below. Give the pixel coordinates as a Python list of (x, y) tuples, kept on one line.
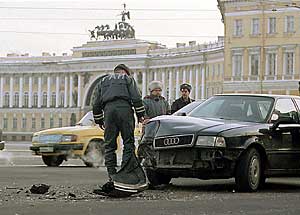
[(122, 30)]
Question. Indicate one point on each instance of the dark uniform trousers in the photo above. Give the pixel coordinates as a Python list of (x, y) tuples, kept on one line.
[(118, 117)]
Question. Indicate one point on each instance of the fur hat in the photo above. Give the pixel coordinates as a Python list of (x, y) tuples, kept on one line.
[(122, 67), (186, 86), (154, 85)]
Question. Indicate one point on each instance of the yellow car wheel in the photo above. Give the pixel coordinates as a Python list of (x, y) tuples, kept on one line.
[(52, 160)]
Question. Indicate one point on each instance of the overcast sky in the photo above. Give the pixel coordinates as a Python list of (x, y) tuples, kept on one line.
[(58, 30)]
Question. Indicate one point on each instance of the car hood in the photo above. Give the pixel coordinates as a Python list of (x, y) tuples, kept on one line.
[(180, 125), (66, 130)]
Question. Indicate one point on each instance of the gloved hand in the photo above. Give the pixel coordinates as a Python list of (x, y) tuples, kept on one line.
[(100, 123), (141, 119)]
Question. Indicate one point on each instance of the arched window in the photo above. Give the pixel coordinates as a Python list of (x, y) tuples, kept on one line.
[(6, 100), (16, 100), (44, 99), (35, 99), (26, 99), (53, 100)]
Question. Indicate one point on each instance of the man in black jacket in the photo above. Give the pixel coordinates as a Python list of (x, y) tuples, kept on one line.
[(116, 94), (184, 100)]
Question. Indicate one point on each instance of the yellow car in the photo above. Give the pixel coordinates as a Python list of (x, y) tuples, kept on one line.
[(84, 141)]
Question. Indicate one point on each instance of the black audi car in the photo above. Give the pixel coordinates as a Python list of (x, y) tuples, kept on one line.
[(248, 137)]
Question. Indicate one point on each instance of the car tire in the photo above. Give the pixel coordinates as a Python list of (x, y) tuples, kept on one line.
[(248, 175), (52, 160), (156, 178), (94, 154)]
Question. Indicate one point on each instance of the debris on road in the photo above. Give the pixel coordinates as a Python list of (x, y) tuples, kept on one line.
[(39, 188)]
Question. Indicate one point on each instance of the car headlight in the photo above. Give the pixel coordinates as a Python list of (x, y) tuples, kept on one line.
[(151, 128), (35, 139), (210, 141), (69, 138)]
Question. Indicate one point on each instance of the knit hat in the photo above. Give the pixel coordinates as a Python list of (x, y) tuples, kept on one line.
[(186, 86), (122, 67), (154, 85)]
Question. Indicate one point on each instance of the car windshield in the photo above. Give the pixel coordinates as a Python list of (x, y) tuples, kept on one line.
[(187, 109), (87, 119), (240, 108)]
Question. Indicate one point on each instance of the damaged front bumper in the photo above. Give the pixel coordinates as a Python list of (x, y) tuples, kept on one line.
[(194, 162)]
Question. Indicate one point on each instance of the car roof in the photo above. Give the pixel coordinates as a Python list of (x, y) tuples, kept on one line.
[(259, 95)]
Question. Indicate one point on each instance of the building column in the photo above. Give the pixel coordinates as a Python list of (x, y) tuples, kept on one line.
[(170, 85), (1, 92), (135, 75), (30, 96), (155, 75), (21, 93), (66, 92), (48, 90), (197, 83), (184, 75), (11, 91), (144, 84), (79, 91), (71, 91), (163, 78), (191, 80), (177, 84), (202, 83), (57, 91), (39, 91)]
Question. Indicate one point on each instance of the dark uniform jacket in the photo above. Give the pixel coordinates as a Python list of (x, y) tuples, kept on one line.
[(116, 87), (156, 106), (180, 103)]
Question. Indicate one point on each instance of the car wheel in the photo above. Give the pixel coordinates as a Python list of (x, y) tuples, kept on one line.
[(52, 160), (249, 171), (94, 154), (156, 178)]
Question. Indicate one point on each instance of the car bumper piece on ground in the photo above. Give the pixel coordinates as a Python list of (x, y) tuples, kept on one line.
[(2, 144)]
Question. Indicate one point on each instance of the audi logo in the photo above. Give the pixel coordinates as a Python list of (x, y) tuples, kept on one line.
[(171, 141)]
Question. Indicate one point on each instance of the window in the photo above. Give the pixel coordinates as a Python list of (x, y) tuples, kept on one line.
[(289, 63), (237, 65), (26, 80), (16, 81), (16, 100), (7, 80), (33, 123), (15, 122), (35, 80), (5, 123), (51, 122), (60, 122), (255, 26), (53, 100), (26, 99), (35, 99), (285, 107), (42, 122), (271, 63), (238, 27), (289, 24), (6, 100), (44, 80), (24, 123), (219, 69), (44, 99), (272, 25), (254, 66)]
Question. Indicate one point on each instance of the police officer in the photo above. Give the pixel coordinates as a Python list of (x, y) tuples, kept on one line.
[(116, 94), (184, 100), (155, 104)]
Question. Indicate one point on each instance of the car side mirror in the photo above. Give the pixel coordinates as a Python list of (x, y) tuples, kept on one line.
[(281, 120), (181, 114)]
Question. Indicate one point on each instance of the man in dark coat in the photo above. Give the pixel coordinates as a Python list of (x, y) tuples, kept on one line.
[(184, 100), (116, 96)]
